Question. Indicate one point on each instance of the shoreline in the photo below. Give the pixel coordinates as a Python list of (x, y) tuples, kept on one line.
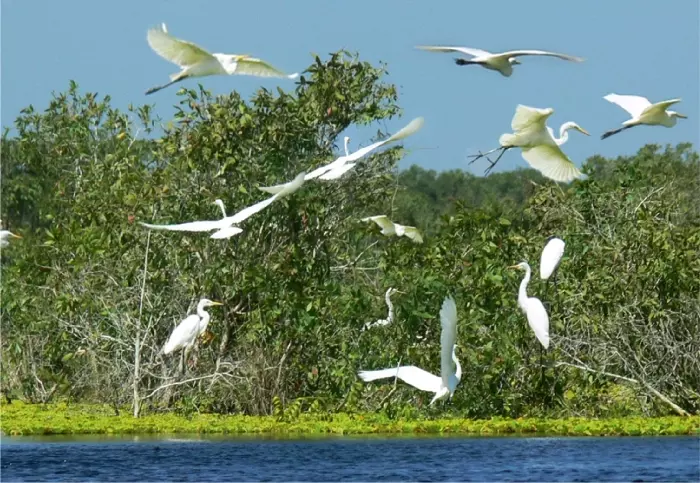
[(20, 419)]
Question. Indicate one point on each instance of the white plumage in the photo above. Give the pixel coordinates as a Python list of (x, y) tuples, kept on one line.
[(551, 257), (536, 314), (390, 228), (187, 331), (643, 112)]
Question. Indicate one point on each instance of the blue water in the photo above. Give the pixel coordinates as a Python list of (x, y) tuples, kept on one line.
[(352, 459)]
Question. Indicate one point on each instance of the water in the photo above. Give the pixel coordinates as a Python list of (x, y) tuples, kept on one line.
[(351, 458)]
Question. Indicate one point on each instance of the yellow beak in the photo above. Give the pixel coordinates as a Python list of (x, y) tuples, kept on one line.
[(216, 303), (514, 266), (16, 236), (583, 131), (682, 116)]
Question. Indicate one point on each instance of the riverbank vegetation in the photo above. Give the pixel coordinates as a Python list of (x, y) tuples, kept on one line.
[(306, 275), (37, 419)]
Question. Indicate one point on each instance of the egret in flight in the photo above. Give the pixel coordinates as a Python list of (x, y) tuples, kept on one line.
[(536, 314), (390, 228), (502, 62), (450, 368), (538, 145), (390, 317), (549, 260), (643, 112), (5, 236), (187, 331), (197, 62), (224, 227), (343, 164)]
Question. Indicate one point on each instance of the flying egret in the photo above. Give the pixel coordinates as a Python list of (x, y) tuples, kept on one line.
[(549, 260), (532, 307), (390, 317), (5, 235), (415, 376), (539, 146), (224, 227), (643, 112), (187, 331), (390, 228), (502, 62), (197, 62), (343, 164)]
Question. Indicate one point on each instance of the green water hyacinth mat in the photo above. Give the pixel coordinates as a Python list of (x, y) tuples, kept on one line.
[(36, 419)]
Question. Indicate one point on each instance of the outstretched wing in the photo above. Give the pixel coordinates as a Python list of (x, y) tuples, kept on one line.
[(448, 338), (447, 48), (225, 233), (195, 226), (551, 161), (260, 68), (408, 130), (282, 190), (383, 222), (526, 116), (661, 106), (336, 173), (415, 376), (634, 105), (412, 233), (518, 53), (180, 52)]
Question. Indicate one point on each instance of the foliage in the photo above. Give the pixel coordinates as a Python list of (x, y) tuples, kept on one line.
[(37, 419), (305, 275)]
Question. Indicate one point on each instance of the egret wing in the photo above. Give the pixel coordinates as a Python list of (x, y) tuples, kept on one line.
[(448, 338), (551, 161), (246, 213), (259, 68), (413, 233), (177, 51), (660, 106), (288, 187), (195, 226), (551, 256), (634, 105), (183, 334), (447, 48), (227, 232), (518, 53), (337, 172), (383, 222), (538, 320), (526, 116), (415, 376), (408, 130)]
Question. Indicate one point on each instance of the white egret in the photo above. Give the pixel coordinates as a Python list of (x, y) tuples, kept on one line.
[(538, 145), (390, 317), (187, 331), (502, 62), (536, 314), (224, 227), (415, 376), (390, 228), (343, 164), (643, 112), (5, 236), (197, 62), (551, 257)]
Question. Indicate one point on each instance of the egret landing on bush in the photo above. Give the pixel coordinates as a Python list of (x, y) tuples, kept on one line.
[(643, 112), (538, 145)]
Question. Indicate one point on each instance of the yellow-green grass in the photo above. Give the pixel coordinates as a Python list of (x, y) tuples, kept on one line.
[(35, 419)]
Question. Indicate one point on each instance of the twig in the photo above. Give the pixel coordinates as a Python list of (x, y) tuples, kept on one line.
[(137, 342), (179, 383)]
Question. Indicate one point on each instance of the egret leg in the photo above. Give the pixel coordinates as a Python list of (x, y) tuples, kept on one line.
[(557, 291), (493, 163), (483, 155)]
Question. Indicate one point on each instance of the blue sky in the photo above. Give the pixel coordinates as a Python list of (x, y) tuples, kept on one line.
[(642, 47)]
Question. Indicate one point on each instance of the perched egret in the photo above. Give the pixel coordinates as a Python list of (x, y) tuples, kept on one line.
[(390, 228), (415, 376), (538, 145), (187, 331), (643, 112), (197, 62), (5, 235), (343, 164), (502, 62), (551, 257), (390, 317), (224, 227), (532, 307)]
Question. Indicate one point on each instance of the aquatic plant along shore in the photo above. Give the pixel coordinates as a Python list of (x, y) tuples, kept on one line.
[(61, 418)]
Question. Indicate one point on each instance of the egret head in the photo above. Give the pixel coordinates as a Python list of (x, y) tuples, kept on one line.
[(392, 291), (677, 114), (209, 303), (572, 125), (520, 266), (514, 61)]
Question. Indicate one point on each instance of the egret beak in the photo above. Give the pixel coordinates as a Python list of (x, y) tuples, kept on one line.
[(216, 303), (514, 266), (16, 236), (583, 131), (399, 291), (682, 116)]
